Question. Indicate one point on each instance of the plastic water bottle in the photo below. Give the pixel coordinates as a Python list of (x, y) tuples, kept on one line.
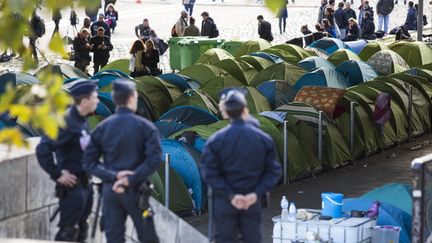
[(292, 212), (284, 206)]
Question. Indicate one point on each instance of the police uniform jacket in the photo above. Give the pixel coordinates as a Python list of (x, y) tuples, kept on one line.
[(66, 147), (126, 142), (240, 159)]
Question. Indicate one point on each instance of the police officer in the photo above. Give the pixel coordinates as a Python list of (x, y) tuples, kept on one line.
[(131, 151), (239, 164), (72, 183)]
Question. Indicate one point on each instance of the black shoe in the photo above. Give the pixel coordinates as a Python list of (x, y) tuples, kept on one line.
[(83, 232)]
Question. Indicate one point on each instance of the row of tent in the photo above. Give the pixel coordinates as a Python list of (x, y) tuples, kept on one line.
[(284, 83)]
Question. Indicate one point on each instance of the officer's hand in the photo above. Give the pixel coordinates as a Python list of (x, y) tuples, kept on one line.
[(251, 199), (120, 185), (124, 173), (238, 201), (67, 179)]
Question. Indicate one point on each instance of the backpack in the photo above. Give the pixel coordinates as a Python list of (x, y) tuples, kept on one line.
[(39, 26), (173, 31)]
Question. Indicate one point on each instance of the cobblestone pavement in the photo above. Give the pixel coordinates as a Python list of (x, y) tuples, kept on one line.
[(236, 19)]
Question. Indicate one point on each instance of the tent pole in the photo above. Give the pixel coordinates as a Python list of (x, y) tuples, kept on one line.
[(167, 180), (285, 161), (420, 20), (410, 107), (352, 128), (320, 133)]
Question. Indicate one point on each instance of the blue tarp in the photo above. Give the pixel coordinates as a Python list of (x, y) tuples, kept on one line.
[(313, 62), (329, 45), (270, 57), (166, 129), (182, 82), (356, 46), (356, 71), (396, 194), (189, 116), (387, 215), (186, 167), (322, 77)]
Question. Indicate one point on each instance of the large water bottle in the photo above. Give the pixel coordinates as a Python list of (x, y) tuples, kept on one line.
[(284, 206), (292, 212)]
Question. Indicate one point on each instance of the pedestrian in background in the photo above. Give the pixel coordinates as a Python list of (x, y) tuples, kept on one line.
[(108, 2), (111, 16), (86, 23), (192, 29), (264, 29), (188, 5), (136, 65), (349, 11), (181, 23), (142, 31), (100, 24), (341, 19), (326, 25), (208, 26), (151, 58), (322, 10), (283, 15), (82, 48), (239, 177), (56, 17), (92, 11), (72, 181), (384, 9), (130, 148), (365, 7), (411, 19), (101, 48), (368, 27), (353, 30)]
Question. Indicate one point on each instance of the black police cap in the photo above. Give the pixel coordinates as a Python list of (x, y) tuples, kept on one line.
[(81, 87)]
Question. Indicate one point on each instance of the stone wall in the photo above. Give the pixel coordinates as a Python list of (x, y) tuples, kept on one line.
[(27, 202)]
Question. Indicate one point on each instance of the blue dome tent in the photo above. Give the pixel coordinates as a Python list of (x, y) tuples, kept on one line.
[(183, 82), (313, 62), (356, 71), (189, 116)]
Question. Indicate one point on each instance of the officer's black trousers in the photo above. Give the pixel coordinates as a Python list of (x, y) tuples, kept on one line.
[(75, 207), (116, 209), (229, 226)]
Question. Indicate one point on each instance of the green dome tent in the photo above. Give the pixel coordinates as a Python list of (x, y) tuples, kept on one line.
[(198, 99), (203, 72), (240, 70), (341, 56), (297, 51), (215, 85), (387, 62), (371, 48), (286, 56), (160, 94), (257, 103), (258, 63), (281, 71), (415, 53), (120, 64), (252, 46), (427, 66), (214, 55), (313, 62), (427, 74), (64, 70)]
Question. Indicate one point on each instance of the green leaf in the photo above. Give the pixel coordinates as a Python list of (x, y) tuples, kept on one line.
[(56, 44), (275, 5)]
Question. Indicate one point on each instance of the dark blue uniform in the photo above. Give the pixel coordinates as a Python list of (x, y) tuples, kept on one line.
[(76, 202), (126, 142), (239, 159)]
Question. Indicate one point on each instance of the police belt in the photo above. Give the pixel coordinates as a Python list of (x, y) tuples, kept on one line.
[(82, 180)]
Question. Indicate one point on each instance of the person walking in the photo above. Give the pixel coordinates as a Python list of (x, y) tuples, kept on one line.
[(411, 19), (264, 29), (37, 30), (239, 164), (349, 11), (208, 26), (151, 58), (283, 15), (101, 48), (136, 66), (56, 17), (181, 23), (72, 181), (130, 148), (142, 31), (100, 24), (384, 9), (341, 19), (82, 50), (192, 29)]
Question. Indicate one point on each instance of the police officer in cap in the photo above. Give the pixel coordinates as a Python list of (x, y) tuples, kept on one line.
[(72, 182), (131, 151), (239, 163)]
